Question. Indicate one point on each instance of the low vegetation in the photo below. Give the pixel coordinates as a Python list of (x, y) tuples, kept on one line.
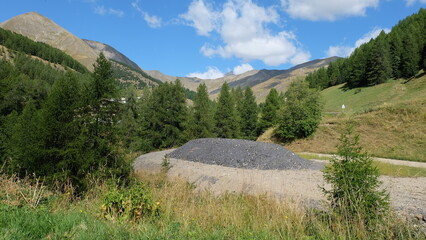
[(183, 213)]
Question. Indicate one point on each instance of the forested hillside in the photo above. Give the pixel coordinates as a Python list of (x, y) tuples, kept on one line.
[(19, 43), (400, 53)]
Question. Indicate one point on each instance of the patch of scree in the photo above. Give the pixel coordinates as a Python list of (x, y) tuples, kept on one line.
[(242, 154)]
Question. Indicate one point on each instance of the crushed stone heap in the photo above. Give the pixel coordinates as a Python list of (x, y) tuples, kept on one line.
[(239, 153)]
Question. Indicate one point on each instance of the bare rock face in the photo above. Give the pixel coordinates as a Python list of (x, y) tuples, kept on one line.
[(42, 29), (111, 53)]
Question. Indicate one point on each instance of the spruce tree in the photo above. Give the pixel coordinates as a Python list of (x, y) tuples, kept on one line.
[(166, 116), (355, 187), (202, 122), (226, 115), (103, 94), (248, 115), (378, 63), (395, 52), (269, 111), (409, 57)]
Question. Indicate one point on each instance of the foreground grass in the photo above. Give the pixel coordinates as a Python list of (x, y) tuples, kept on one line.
[(186, 213), (386, 169)]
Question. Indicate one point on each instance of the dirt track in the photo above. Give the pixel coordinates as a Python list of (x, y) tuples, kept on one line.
[(408, 195)]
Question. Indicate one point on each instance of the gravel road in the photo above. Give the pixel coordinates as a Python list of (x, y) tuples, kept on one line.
[(408, 195)]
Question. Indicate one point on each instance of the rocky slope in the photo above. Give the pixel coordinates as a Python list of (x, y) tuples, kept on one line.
[(111, 53)]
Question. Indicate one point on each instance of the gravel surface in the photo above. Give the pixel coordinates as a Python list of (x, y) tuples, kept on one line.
[(242, 154), (299, 185)]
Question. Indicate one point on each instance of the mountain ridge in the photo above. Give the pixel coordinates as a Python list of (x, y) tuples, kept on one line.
[(40, 28)]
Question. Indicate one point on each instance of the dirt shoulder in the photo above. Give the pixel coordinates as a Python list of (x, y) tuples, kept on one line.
[(407, 194)]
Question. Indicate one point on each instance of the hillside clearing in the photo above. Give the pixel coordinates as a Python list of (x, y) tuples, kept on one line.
[(389, 117)]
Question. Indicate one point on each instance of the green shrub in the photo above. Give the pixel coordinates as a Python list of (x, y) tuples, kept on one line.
[(300, 114), (131, 203)]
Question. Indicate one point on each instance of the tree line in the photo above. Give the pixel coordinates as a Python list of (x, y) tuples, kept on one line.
[(401, 53), (69, 126)]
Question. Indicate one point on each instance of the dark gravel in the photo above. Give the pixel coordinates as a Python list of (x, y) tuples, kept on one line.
[(242, 154)]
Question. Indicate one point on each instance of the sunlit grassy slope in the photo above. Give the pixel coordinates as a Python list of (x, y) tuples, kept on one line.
[(390, 118), (366, 98)]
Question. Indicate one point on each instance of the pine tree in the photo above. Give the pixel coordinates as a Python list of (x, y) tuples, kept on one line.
[(26, 143), (378, 63), (395, 52), (226, 115), (269, 111), (166, 116), (248, 115), (355, 187), (409, 57), (203, 122), (103, 92)]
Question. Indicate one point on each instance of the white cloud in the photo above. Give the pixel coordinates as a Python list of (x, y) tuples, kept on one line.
[(240, 69), (102, 10), (201, 17), (345, 51), (330, 10), (412, 2), (211, 73), (243, 27), (151, 20), (341, 51)]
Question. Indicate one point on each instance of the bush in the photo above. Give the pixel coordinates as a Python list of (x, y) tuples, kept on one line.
[(131, 203), (300, 114), (355, 192)]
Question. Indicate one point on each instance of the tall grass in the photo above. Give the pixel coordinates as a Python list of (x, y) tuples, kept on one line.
[(186, 213)]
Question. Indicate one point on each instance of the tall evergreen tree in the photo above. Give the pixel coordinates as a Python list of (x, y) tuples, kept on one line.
[(102, 92), (269, 111), (378, 63), (26, 143), (248, 115), (409, 57), (226, 115), (203, 122), (395, 52), (166, 116)]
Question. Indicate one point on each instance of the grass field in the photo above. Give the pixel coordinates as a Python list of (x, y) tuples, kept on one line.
[(185, 214), (390, 118)]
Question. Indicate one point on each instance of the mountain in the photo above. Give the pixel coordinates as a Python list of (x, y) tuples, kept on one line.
[(111, 53), (41, 29), (261, 81)]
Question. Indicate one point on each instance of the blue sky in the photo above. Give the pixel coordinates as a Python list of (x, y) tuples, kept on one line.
[(207, 38)]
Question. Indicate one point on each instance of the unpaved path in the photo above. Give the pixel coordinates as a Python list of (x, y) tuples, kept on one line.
[(385, 160), (408, 195)]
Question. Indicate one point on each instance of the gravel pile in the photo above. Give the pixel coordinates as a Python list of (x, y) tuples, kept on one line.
[(242, 154)]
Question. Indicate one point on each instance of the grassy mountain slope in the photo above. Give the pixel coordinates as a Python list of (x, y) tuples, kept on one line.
[(390, 118), (42, 29)]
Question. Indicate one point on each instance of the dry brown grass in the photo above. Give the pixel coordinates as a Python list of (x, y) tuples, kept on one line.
[(397, 131)]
